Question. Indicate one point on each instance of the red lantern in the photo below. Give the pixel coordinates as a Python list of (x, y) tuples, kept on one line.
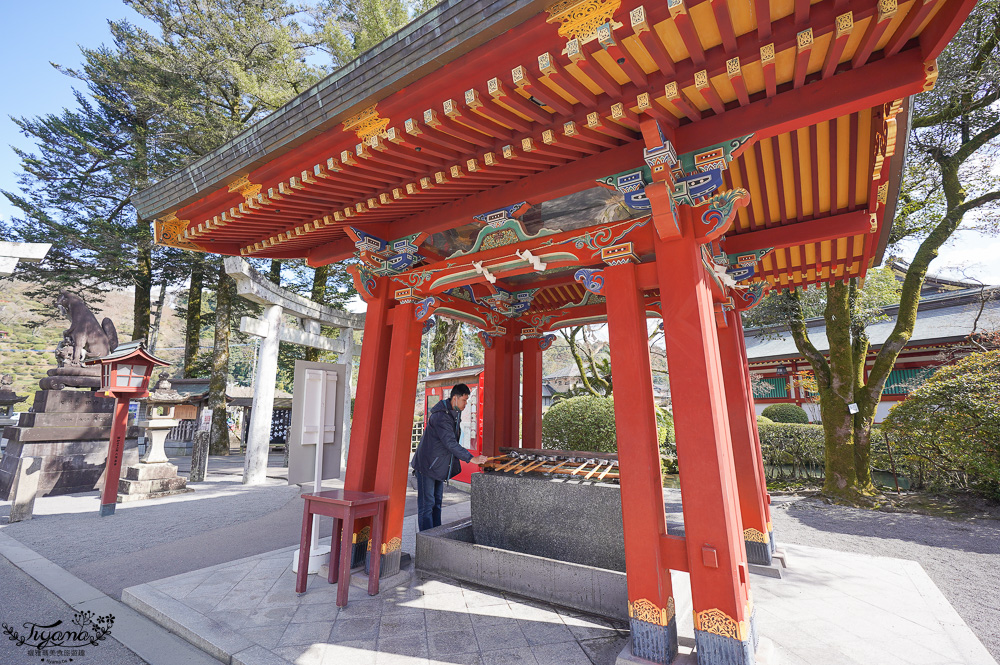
[(125, 376)]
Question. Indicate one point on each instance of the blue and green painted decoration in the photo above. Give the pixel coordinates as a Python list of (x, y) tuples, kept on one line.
[(502, 228)]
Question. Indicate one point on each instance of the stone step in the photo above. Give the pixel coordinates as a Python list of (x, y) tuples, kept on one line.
[(147, 488), (73, 433), (144, 471), (60, 382), (65, 420), (72, 401)]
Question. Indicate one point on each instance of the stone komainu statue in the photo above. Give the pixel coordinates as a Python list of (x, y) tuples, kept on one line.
[(84, 336)]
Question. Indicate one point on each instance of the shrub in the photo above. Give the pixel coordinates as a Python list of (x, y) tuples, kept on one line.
[(951, 424), (786, 413), (761, 420), (588, 423), (792, 450), (580, 423)]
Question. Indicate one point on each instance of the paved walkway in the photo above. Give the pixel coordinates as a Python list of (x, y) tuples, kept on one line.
[(214, 566)]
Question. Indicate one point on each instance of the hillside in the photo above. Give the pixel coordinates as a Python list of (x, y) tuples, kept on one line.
[(33, 328)]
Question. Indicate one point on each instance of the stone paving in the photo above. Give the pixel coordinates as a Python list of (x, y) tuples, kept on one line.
[(829, 607), (248, 608)]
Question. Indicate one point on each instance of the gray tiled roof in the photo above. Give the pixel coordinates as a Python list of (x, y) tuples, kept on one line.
[(947, 317)]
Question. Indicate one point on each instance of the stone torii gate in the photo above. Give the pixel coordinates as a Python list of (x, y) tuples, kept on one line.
[(29, 252), (271, 329)]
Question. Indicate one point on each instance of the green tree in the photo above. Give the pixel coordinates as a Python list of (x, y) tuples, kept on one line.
[(955, 130), (76, 188), (952, 423)]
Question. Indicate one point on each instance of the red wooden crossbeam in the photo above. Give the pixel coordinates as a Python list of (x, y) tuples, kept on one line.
[(473, 121), (495, 113), (644, 32), (803, 49), (889, 78), (674, 99), (735, 73), (549, 66), (516, 102), (720, 8), (876, 28), (918, 11), (593, 69), (946, 23), (544, 94), (762, 8), (704, 87), (682, 20), (842, 32)]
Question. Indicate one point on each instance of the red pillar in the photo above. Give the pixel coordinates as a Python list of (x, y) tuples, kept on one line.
[(513, 375), (366, 425), (765, 496), (713, 529), (531, 411), (397, 423), (650, 596), (116, 450), (742, 427), (492, 399)]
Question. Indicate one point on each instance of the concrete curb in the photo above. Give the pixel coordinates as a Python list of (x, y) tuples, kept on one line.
[(149, 641)]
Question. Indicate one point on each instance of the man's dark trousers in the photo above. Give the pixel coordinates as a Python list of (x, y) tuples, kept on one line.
[(430, 495)]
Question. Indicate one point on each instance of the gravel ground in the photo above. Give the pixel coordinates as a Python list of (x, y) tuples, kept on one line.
[(961, 556)]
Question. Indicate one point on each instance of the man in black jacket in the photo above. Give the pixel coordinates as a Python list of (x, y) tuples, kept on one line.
[(437, 457)]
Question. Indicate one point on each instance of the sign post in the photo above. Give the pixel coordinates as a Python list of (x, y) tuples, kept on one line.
[(125, 376)]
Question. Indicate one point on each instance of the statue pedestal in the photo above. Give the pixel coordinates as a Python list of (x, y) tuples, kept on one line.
[(154, 476), (67, 431)]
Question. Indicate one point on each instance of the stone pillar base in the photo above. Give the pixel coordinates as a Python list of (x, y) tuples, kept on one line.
[(359, 554), (654, 642), (758, 553), (150, 481), (715, 649), (23, 489), (389, 565)]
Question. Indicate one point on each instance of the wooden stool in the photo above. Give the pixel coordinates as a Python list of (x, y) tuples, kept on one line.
[(344, 507)]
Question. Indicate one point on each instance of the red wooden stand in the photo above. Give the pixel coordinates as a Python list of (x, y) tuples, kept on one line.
[(344, 507), (116, 450)]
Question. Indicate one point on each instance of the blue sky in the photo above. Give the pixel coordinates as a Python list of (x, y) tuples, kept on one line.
[(34, 33)]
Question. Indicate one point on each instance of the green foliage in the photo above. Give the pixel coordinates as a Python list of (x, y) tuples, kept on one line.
[(354, 26), (580, 423), (779, 308), (763, 420), (588, 423), (791, 450), (786, 413), (952, 424)]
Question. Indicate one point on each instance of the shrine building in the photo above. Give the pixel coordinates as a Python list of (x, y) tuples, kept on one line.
[(524, 166)]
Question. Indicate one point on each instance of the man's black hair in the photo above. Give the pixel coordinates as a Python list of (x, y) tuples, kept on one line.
[(460, 389)]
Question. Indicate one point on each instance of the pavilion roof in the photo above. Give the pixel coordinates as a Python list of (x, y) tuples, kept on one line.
[(942, 318), (478, 105)]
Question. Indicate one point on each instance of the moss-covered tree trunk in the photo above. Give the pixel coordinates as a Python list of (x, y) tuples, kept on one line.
[(219, 440), (192, 334), (445, 344)]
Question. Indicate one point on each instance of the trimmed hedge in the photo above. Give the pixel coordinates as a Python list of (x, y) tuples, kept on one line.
[(588, 423), (792, 450), (786, 413)]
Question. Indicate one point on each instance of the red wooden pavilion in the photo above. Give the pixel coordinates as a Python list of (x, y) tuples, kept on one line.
[(524, 166)]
